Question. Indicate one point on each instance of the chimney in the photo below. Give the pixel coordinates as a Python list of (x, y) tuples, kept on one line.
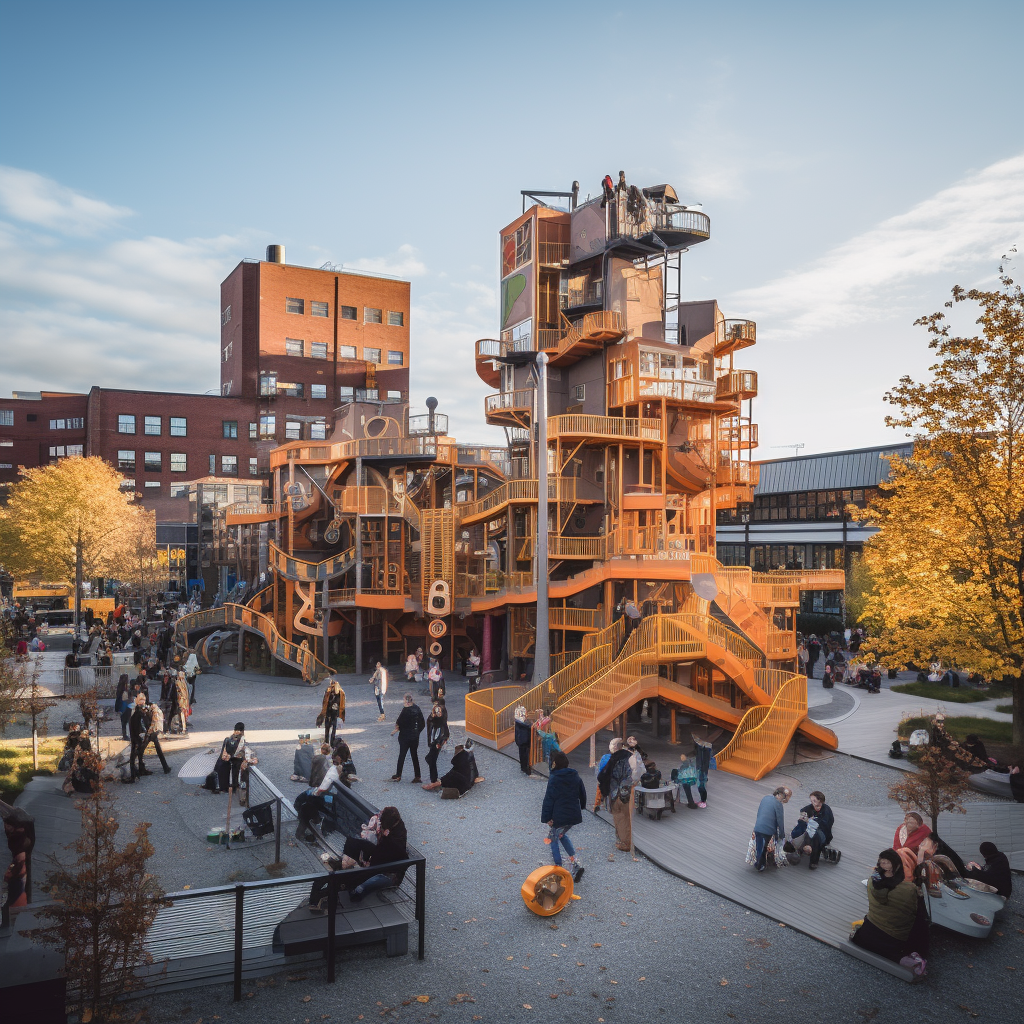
[(275, 254)]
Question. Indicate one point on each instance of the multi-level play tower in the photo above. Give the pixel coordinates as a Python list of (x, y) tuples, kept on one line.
[(393, 536)]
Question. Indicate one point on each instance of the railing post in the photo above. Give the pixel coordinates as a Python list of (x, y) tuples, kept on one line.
[(239, 923), (421, 901), (277, 832), (332, 913)]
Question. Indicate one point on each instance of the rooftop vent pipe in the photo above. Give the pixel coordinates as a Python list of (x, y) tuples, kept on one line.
[(275, 254)]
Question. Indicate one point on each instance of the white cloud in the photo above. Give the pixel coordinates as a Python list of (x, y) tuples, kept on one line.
[(32, 199), (958, 230), (404, 262)]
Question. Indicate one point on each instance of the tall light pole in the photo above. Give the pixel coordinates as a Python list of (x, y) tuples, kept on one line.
[(539, 361)]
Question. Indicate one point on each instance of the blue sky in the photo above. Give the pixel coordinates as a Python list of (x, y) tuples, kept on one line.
[(856, 161)]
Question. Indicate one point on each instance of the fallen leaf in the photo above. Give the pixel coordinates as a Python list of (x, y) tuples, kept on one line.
[(423, 999), (306, 999), (642, 979), (526, 1006), (724, 981), (596, 945)]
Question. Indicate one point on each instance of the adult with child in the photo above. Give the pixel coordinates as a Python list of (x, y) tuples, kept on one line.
[(409, 725), (564, 801), (813, 832)]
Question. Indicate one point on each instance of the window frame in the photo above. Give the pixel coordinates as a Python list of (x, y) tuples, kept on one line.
[(291, 343), (226, 462), (321, 309), (125, 464), (289, 430), (229, 429), (155, 465), (367, 349), (372, 315), (268, 426), (183, 456), (178, 426), (148, 427), (319, 350), (6, 417), (392, 322), (254, 466), (400, 361), (349, 313), (122, 422), (313, 391), (289, 302)]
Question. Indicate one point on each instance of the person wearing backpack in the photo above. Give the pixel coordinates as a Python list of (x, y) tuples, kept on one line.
[(564, 800), (616, 782), (408, 725)]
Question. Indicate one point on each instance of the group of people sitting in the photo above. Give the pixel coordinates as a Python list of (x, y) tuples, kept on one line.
[(897, 923)]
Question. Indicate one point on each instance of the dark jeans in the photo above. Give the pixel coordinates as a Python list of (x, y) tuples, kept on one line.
[(155, 740), (810, 667), (307, 806), (231, 768), (191, 680), (125, 716), (330, 729), (410, 746), (135, 759), (870, 937), (524, 759), (761, 840), (432, 755)]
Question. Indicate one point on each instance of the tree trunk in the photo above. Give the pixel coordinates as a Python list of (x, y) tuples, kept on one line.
[(78, 579)]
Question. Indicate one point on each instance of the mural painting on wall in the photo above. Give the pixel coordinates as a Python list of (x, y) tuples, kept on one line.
[(517, 274)]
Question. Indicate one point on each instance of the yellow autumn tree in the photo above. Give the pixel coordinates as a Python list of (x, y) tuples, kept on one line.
[(947, 565), (69, 521)]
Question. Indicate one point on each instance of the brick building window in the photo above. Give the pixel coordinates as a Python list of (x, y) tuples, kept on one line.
[(268, 428), (254, 469), (395, 358), (580, 392), (126, 461), (394, 396), (57, 451), (127, 485), (230, 428), (295, 306), (319, 309), (179, 462), (346, 394), (268, 383), (125, 424), (372, 316), (6, 417), (348, 313), (213, 465), (225, 316), (153, 425), (293, 430), (396, 319), (71, 423), (179, 490), (179, 426), (318, 431), (347, 352), (154, 462), (293, 390), (294, 347), (152, 483), (76, 449), (318, 350), (317, 390), (371, 355), (229, 465), (253, 427)]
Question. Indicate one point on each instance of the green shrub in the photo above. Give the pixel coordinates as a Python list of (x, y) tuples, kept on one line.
[(960, 727), (936, 691)]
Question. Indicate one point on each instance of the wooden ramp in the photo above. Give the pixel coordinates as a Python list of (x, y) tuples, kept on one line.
[(708, 847)]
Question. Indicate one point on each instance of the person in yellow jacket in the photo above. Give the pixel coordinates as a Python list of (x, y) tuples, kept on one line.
[(333, 709)]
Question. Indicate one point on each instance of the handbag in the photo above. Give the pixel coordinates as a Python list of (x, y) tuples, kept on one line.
[(319, 720), (686, 774)]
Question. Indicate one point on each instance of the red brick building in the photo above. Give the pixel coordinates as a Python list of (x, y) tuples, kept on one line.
[(37, 427), (298, 342)]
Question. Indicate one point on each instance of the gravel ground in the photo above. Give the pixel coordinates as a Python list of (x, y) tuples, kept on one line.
[(487, 957)]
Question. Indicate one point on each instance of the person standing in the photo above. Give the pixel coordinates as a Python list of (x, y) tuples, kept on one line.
[(154, 726), (380, 687), (180, 705), (703, 738), (616, 782), (408, 725), (437, 737), (137, 729), (564, 800), (233, 753), (191, 669), (123, 703), (333, 709), (523, 738), (770, 823), (412, 666), (813, 650)]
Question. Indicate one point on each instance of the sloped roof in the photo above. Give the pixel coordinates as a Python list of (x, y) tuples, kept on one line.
[(860, 467)]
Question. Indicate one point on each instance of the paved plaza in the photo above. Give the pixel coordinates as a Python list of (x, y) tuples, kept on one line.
[(639, 944)]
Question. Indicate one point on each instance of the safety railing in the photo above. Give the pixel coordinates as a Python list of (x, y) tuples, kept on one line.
[(736, 472), (365, 447), (488, 348), (582, 425), (561, 659), (733, 434), (296, 569), (572, 618), (780, 643), (586, 548), (89, 677), (258, 512), (602, 326), (612, 635), (483, 707), (764, 732), (553, 254), (700, 391), (733, 335), (741, 384), (513, 401), (775, 595), (805, 579), (367, 501), (511, 490)]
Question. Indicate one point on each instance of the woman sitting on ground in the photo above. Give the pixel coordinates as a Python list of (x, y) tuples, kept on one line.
[(892, 909), (813, 832), (390, 846), (463, 775), (910, 833)]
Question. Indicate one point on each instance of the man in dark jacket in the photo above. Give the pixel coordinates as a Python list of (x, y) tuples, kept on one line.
[(460, 779), (523, 738), (813, 650), (995, 872), (138, 726), (616, 782), (409, 725), (564, 800), (821, 832)]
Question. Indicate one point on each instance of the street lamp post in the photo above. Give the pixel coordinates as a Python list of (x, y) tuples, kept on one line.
[(541, 653)]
